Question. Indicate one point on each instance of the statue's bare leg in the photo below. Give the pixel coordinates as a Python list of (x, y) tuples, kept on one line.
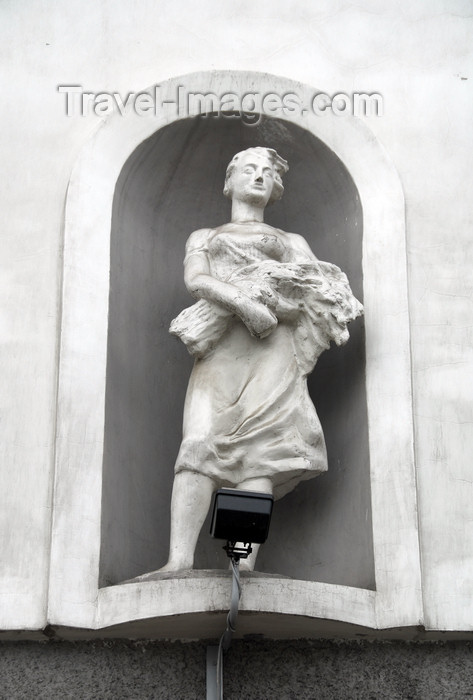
[(265, 486), (191, 497)]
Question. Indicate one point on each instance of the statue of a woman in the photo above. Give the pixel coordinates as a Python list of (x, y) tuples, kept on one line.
[(266, 309)]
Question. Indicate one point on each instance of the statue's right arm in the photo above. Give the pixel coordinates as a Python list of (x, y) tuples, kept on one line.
[(259, 320)]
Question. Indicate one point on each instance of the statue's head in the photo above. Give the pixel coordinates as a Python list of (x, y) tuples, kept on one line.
[(271, 168)]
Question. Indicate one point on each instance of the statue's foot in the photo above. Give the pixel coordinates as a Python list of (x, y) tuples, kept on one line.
[(173, 566), (169, 568), (244, 565)]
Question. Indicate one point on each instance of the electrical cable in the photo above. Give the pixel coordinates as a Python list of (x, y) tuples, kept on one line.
[(226, 638)]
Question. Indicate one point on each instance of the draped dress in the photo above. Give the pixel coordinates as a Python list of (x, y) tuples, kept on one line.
[(248, 413)]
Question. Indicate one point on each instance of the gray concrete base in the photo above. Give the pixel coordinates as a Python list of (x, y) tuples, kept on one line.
[(256, 669)]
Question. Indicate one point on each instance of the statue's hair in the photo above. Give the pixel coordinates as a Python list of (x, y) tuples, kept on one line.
[(278, 164)]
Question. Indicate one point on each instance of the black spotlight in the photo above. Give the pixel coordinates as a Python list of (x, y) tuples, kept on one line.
[(241, 518)]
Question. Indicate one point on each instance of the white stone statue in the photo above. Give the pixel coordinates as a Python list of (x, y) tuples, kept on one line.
[(266, 309)]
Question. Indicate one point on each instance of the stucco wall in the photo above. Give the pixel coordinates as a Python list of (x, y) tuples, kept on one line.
[(418, 56)]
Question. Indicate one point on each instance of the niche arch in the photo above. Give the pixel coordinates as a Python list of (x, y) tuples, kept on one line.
[(95, 365)]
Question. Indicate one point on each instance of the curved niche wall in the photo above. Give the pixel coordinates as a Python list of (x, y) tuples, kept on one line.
[(171, 185)]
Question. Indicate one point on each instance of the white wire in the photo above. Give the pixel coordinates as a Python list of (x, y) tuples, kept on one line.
[(226, 638)]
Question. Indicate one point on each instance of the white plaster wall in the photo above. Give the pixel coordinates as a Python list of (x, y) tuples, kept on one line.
[(417, 55)]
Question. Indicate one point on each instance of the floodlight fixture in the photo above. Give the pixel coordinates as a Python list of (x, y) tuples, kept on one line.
[(242, 518)]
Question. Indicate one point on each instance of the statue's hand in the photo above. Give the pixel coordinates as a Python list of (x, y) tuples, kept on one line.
[(260, 321), (284, 309)]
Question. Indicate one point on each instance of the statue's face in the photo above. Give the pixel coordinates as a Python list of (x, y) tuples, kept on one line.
[(252, 179)]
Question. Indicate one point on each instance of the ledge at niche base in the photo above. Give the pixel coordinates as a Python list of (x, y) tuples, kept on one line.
[(159, 606), (197, 573)]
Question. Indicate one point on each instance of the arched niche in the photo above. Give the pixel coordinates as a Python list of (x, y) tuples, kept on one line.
[(116, 223), (171, 185)]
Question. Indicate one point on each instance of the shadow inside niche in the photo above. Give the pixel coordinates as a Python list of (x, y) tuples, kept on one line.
[(170, 186)]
